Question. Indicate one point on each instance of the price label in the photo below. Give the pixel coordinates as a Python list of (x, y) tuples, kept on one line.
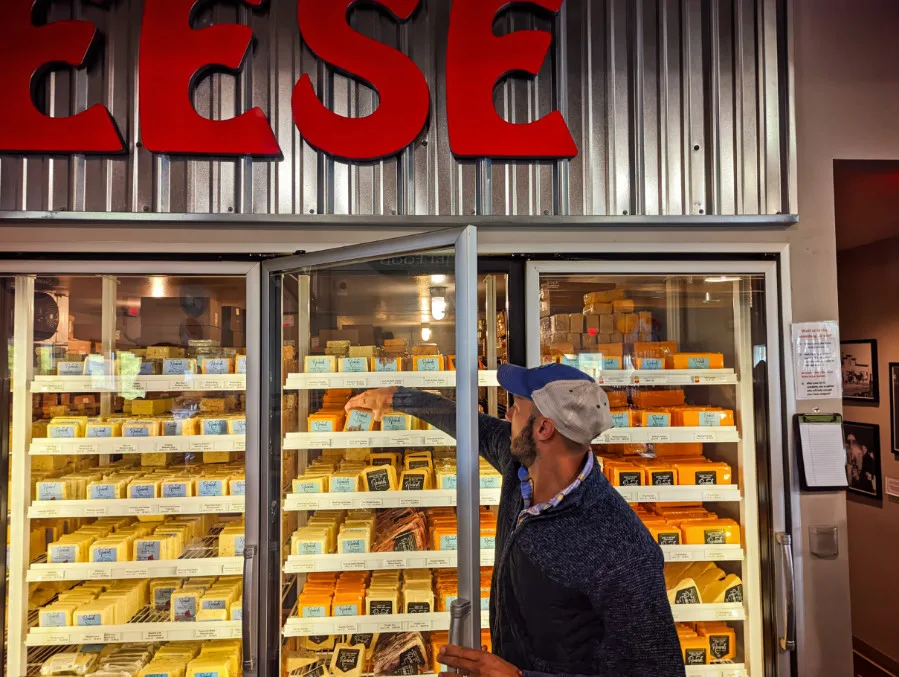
[(440, 562), (208, 384), (660, 437), (235, 384), (206, 633), (353, 565), (705, 437), (41, 511), (436, 440), (486, 559), (733, 673), (341, 503), (111, 637), (491, 498), (358, 442), (231, 569), (212, 507), (722, 614), (195, 445), (395, 564), (84, 448), (717, 555), (237, 506), (615, 437), (677, 556), (371, 503), (124, 448), (317, 383), (320, 443), (170, 509), (187, 571), (53, 387), (410, 502), (49, 575), (648, 496), (652, 380), (394, 626), (240, 444), (413, 625), (307, 630), (712, 495), (48, 449), (347, 628), (181, 384), (305, 504), (137, 573), (390, 381), (400, 440), (92, 637), (354, 382), (168, 447), (140, 509), (155, 635), (297, 567), (99, 574), (57, 639), (96, 511), (436, 381)]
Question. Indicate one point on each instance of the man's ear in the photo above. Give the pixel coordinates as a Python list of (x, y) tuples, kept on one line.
[(545, 430)]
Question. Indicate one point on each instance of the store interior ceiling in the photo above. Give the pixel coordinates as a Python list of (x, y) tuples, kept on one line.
[(866, 201)]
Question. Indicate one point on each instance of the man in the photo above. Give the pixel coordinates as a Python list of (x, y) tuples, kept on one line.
[(578, 585)]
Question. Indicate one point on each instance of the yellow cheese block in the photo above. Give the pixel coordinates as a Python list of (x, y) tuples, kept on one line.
[(184, 605), (380, 478), (685, 592), (320, 364), (347, 661)]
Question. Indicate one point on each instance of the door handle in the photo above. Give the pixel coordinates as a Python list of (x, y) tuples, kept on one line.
[(249, 613), (460, 614), (785, 543)]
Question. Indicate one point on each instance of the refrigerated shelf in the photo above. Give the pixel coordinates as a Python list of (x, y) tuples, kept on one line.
[(385, 379), (148, 625), (173, 568), (150, 384), (83, 446), (373, 561), (341, 625), (667, 377), (125, 507), (677, 434), (706, 493), (722, 670)]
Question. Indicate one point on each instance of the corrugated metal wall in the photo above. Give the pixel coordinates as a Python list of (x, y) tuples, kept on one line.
[(677, 107)]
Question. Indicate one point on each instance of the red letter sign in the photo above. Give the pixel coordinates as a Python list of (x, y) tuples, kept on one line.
[(476, 60), (27, 49), (402, 89), (171, 55)]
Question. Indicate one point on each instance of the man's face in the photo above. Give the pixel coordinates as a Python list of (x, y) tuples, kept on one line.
[(519, 414), (522, 416)]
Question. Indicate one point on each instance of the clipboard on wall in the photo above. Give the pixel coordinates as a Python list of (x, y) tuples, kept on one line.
[(821, 451)]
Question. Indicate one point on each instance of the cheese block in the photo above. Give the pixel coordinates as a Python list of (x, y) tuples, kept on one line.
[(152, 407), (417, 601), (359, 420), (240, 364), (702, 473), (213, 425), (216, 365), (394, 420), (695, 650), (354, 364), (60, 428), (623, 417), (695, 361), (56, 615), (415, 480), (727, 590), (140, 428), (722, 640), (145, 488), (320, 364), (110, 550), (325, 422), (380, 478), (319, 642), (354, 541), (345, 481), (347, 661), (231, 543), (163, 352), (161, 591), (237, 425), (711, 532), (382, 602), (236, 610), (184, 605), (665, 534), (179, 366), (177, 487), (103, 429), (704, 417), (310, 485), (386, 363), (428, 363)]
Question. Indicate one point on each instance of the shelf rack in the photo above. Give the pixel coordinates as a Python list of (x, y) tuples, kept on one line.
[(84, 446), (137, 384), (124, 507)]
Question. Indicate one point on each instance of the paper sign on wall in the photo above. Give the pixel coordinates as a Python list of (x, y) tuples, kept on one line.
[(893, 486), (816, 360)]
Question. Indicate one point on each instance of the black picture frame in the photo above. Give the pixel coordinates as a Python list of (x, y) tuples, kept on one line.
[(858, 361), (863, 469), (894, 402)]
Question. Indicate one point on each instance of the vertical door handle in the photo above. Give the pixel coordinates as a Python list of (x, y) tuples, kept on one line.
[(785, 544), (460, 615), (249, 612)]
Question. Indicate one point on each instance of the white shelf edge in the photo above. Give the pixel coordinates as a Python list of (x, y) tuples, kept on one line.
[(338, 625), (702, 553), (133, 632), (373, 561), (404, 439), (717, 670), (383, 379), (670, 435), (124, 507), (172, 444), (150, 384), (173, 568), (707, 493), (666, 377), (433, 498)]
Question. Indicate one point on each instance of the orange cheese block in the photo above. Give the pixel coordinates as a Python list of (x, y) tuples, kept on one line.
[(648, 399), (617, 398), (704, 417), (690, 473), (625, 475), (695, 361), (654, 418), (721, 638), (655, 349), (623, 418), (711, 532), (665, 534)]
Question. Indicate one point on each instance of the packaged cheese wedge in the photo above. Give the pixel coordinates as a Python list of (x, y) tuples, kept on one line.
[(711, 532), (684, 592), (727, 590), (380, 478), (721, 638)]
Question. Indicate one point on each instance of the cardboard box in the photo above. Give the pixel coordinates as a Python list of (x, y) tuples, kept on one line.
[(591, 321), (325, 335), (560, 323), (178, 334), (607, 324), (369, 335), (575, 340), (576, 323), (203, 310)]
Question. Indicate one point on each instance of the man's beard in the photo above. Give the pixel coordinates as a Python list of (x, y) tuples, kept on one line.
[(524, 447)]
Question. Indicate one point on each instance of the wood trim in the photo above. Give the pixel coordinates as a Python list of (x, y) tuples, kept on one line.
[(877, 657)]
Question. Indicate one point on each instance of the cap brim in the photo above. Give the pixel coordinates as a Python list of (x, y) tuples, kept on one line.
[(513, 378)]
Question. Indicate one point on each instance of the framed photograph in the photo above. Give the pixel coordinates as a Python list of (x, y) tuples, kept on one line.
[(859, 360), (894, 402), (862, 444)]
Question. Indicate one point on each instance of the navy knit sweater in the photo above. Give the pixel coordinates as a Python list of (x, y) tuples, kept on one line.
[(577, 590)]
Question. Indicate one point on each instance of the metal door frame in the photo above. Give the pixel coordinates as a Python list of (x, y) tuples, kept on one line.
[(25, 272), (465, 245), (778, 315)]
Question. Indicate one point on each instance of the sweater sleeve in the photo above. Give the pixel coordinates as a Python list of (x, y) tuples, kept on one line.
[(494, 435)]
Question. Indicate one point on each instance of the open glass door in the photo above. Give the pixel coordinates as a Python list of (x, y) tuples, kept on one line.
[(374, 527)]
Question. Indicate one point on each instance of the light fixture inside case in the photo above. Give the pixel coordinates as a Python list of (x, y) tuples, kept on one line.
[(438, 303), (425, 333)]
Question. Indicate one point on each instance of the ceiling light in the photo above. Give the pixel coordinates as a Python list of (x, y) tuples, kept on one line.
[(438, 279), (157, 287), (425, 333), (438, 303), (722, 278)]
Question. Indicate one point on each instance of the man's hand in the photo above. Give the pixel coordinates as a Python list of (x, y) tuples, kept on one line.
[(377, 401), (475, 663)]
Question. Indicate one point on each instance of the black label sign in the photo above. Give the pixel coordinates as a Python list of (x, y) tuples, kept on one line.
[(413, 482), (383, 460), (734, 594), (663, 479), (719, 645), (365, 639), (380, 608), (631, 479), (706, 477), (420, 463), (379, 480), (405, 542), (669, 539), (411, 657), (318, 639), (715, 537), (418, 608), (694, 657), (347, 659), (687, 596)]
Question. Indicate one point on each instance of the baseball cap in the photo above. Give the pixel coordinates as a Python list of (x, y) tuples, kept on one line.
[(571, 399)]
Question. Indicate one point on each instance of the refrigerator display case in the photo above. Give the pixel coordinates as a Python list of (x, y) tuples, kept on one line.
[(127, 476)]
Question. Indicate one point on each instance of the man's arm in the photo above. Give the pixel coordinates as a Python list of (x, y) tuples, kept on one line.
[(494, 435)]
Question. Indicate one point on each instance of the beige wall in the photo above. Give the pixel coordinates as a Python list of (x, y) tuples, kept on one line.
[(868, 277)]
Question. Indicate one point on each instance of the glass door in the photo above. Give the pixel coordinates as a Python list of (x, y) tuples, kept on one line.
[(689, 355), (128, 470), (377, 500)]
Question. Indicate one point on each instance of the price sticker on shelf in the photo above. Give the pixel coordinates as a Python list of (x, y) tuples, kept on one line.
[(45, 511), (487, 559), (436, 440), (733, 673), (87, 448), (156, 635), (51, 387), (413, 625), (99, 574), (212, 507), (232, 568), (353, 565), (187, 571), (715, 555), (342, 503), (726, 614), (235, 384), (206, 633), (613, 437), (141, 509), (306, 504), (237, 506), (434, 381), (395, 563), (112, 637), (168, 447), (170, 509), (48, 449), (180, 384), (124, 448), (487, 498), (400, 440), (358, 442), (371, 503), (659, 437), (713, 496), (197, 445), (648, 496), (143, 572), (297, 567), (318, 383), (439, 562), (677, 556), (354, 382), (346, 628), (320, 443), (410, 502), (240, 444), (91, 637), (647, 380), (55, 639), (209, 384), (49, 575), (705, 437), (96, 511)]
